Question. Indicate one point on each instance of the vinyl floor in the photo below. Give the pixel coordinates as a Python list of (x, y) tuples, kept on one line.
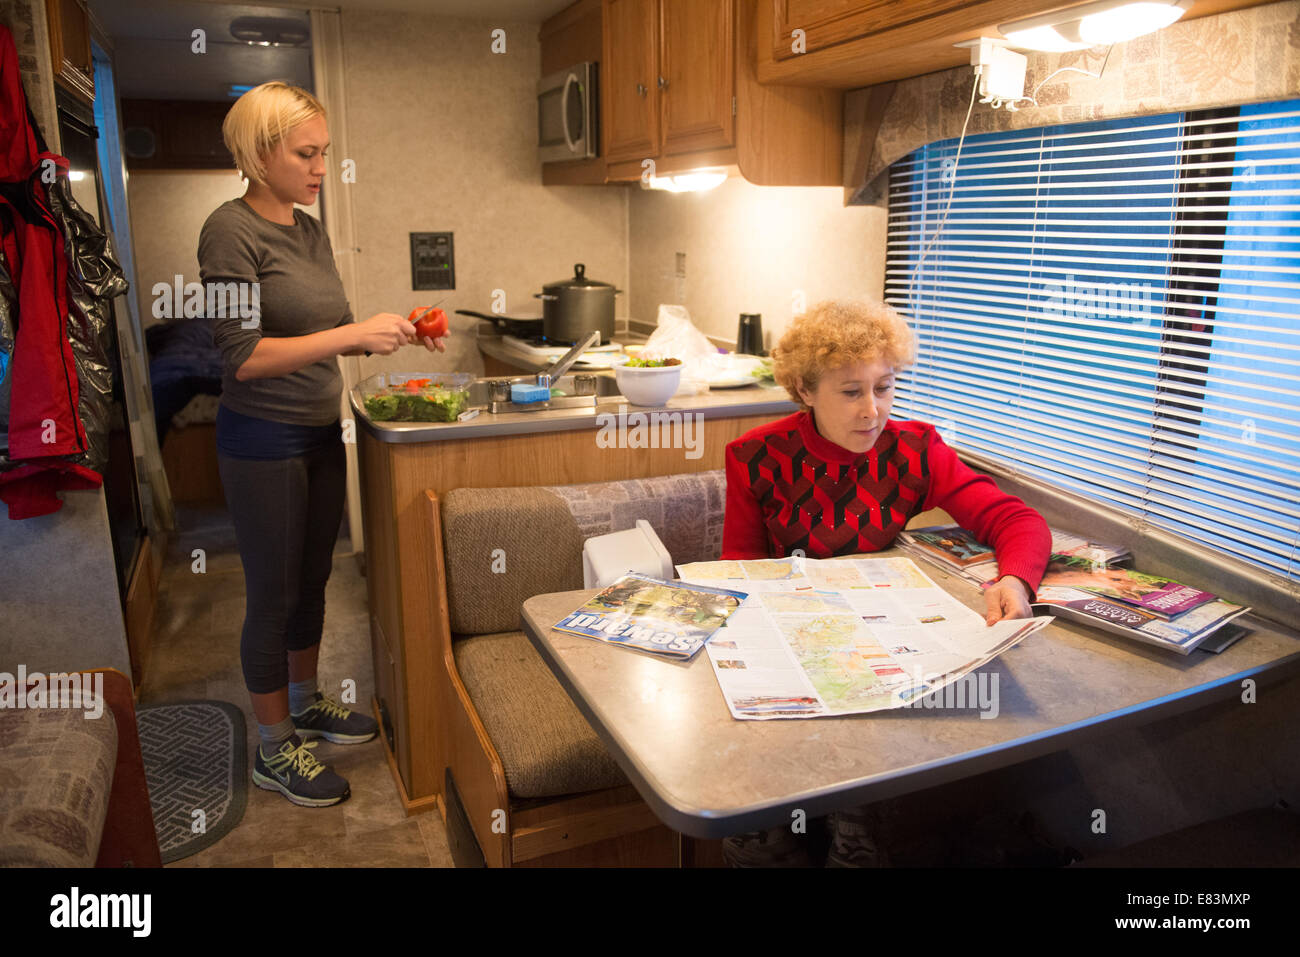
[(195, 655)]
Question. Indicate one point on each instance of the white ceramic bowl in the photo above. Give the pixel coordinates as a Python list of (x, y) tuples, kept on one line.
[(648, 386)]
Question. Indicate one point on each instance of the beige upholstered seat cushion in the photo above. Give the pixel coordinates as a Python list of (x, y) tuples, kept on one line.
[(56, 772), (502, 547), (546, 746)]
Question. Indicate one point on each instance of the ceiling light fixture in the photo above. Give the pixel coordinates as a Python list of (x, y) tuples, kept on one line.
[(269, 31), (1093, 24)]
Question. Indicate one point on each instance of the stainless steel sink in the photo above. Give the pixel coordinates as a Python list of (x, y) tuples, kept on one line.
[(606, 385)]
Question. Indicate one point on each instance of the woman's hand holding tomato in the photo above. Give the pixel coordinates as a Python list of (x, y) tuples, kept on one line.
[(430, 327)]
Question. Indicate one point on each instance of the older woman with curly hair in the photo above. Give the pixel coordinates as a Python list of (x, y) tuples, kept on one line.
[(840, 477)]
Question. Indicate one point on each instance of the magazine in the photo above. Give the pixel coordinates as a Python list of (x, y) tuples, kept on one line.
[(662, 617), (1181, 634), (846, 636), (1082, 583), (1159, 596), (950, 544), (957, 550)]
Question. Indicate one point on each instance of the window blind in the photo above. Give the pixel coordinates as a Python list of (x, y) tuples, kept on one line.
[(1115, 307)]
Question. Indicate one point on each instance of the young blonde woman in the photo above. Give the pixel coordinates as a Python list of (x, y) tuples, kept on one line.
[(279, 442)]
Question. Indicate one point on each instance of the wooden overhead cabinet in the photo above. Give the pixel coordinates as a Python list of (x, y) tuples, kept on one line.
[(678, 87), (69, 26), (845, 44), (671, 77), (629, 93)]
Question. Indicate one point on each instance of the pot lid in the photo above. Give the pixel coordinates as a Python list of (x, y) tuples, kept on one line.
[(579, 281)]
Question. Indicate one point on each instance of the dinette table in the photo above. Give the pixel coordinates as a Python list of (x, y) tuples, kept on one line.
[(708, 775)]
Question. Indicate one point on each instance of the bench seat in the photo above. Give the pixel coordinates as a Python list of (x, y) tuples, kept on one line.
[(546, 746)]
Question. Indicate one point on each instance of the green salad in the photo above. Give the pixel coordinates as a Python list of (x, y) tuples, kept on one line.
[(400, 405), (652, 363)]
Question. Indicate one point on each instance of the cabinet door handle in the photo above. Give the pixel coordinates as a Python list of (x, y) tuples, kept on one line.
[(663, 84), (640, 89)]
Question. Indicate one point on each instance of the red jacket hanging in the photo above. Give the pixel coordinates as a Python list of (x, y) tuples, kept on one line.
[(44, 426)]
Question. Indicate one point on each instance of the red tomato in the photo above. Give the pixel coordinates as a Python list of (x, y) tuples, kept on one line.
[(434, 325)]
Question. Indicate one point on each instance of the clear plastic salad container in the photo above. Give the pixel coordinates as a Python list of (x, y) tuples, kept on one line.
[(416, 397)]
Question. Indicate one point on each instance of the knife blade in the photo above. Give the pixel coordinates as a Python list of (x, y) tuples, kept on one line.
[(430, 309)]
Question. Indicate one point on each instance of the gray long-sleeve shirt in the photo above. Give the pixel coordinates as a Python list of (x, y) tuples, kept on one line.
[(298, 292)]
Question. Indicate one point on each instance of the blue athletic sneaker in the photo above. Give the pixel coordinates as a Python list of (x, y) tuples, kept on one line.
[(296, 773), (328, 719)]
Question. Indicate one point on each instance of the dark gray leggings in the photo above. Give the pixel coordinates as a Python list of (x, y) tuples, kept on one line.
[(286, 514)]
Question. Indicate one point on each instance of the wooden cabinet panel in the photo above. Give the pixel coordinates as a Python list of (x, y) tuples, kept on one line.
[(711, 111), (629, 72), (69, 26), (856, 43), (185, 134), (828, 22), (697, 74), (192, 134)]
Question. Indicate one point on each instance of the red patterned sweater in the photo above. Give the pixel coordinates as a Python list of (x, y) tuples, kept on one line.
[(789, 488)]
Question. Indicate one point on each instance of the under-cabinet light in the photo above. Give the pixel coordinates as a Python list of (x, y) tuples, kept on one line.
[(1093, 24), (693, 181)]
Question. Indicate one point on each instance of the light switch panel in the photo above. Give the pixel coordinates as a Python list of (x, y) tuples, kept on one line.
[(433, 261)]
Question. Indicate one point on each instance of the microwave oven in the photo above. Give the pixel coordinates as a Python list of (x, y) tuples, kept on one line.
[(567, 114)]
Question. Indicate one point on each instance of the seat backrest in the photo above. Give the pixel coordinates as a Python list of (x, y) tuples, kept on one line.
[(685, 510), (502, 547), (505, 545)]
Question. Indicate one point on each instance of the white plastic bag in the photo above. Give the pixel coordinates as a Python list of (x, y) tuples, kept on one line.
[(676, 337)]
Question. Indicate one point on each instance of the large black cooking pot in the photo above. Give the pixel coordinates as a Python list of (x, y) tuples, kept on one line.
[(573, 308)]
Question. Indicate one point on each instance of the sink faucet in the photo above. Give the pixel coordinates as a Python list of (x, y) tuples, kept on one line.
[(562, 364)]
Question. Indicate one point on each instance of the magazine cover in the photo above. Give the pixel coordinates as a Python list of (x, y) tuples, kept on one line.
[(663, 617), (951, 544), (957, 549), (1066, 543), (1162, 597), (1181, 634)]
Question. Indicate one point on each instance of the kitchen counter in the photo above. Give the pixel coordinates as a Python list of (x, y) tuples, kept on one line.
[(755, 400), (719, 403)]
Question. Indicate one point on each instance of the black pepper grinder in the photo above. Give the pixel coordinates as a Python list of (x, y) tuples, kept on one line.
[(749, 337)]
